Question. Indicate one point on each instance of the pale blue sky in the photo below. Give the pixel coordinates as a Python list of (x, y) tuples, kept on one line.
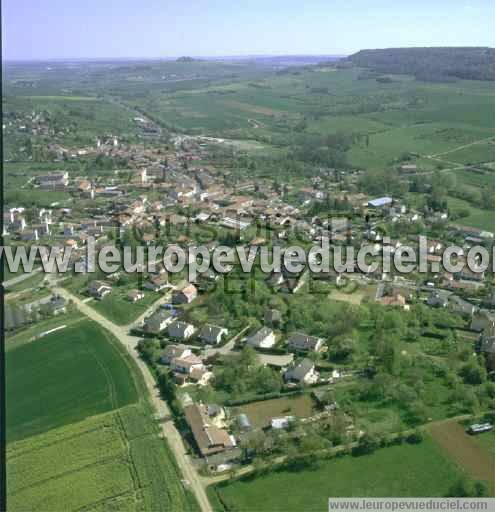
[(39, 29)]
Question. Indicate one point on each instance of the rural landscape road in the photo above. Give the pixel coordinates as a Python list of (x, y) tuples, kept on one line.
[(168, 428), (20, 278)]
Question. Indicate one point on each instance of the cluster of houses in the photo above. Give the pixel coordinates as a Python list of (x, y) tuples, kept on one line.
[(264, 338), (16, 316)]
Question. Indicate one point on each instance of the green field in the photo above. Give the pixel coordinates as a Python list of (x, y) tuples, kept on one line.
[(36, 280), (117, 308), (113, 461), (406, 470), (475, 154), (81, 434), (477, 218), (77, 372)]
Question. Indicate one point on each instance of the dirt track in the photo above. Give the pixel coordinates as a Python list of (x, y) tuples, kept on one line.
[(465, 451)]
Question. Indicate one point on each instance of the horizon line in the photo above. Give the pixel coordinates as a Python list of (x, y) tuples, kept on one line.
[(166, 58), (227, 56)]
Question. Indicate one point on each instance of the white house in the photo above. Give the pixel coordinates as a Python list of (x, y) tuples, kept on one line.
[(174, 351), (186, 364), (264, 338), (302, 372), (213, 334), (158, 321), (99, 289), (181, 330)]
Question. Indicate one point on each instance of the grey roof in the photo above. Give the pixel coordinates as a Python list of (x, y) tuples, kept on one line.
[(178, 328), (299, 370), (172, 351), (273, 315), (302, 340), (213, 409), (158, 316), (211, 332), (259, 336), (437, 299), (462, 306)]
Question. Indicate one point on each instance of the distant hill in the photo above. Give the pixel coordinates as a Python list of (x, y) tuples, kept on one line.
[(430, 64), (186, 59)]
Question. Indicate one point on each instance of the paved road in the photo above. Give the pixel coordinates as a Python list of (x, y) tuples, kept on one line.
[(168, 428), (20, 278)]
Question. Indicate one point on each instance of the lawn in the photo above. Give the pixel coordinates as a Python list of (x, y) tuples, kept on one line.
[(406, 470), (260, 413), (477, 218), (65, 377), (478, 153), (117, 308), (487, 441), (31, 333)]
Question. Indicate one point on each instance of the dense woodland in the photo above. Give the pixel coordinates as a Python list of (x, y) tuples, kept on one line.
[(430, 64)]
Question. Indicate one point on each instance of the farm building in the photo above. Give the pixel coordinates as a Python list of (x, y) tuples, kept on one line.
[(209, 438), (380, 202)]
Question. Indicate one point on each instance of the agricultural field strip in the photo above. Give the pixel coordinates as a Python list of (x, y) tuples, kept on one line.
[(20, 339), (100, 443), (451, 437), (476, 142), (111, 430), (78, 489)]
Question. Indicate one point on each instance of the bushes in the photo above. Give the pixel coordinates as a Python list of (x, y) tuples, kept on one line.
[(259, 398), (369, 442), (416, 437)]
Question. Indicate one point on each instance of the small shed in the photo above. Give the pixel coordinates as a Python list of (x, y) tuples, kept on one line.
[(244, 422)]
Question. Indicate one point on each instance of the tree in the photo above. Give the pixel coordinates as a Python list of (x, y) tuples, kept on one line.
[(343, 347), (417, 413), (465, 488), (367, 443), (473, 373)]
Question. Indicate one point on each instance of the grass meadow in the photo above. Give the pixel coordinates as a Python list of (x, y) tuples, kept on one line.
[(74, 373), (405, 470)]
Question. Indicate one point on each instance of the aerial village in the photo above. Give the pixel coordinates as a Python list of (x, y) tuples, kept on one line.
[(194, 335)]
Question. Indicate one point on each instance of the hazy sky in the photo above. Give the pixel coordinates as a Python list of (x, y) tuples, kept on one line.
[(37, 29)]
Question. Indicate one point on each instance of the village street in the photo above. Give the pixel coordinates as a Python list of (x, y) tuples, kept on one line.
[(168, 428)]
